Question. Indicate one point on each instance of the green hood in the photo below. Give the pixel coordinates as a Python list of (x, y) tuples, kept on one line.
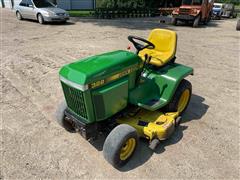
[(98, 67)]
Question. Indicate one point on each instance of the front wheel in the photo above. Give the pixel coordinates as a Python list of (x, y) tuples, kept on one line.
[(120, 145), (181, 98), (174, 21), (196, 21), (19, 16), (238, 25), (40, 19)]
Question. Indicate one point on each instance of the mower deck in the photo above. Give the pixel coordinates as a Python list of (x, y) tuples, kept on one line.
[(151, 124)]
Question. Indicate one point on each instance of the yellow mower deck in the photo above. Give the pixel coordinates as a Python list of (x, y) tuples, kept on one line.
[(151, 124)]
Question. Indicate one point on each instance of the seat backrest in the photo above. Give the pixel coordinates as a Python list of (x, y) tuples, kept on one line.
[(164, 41)]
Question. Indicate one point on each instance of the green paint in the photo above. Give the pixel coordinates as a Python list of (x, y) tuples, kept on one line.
[(159, 86), (110, 99), (98, 67), (154, 90)]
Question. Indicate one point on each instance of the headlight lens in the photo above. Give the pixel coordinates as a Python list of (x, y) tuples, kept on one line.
[(194, 11), (45, 13)]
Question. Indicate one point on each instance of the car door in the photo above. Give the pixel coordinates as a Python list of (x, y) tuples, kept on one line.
[(30, 12), (22, 8)]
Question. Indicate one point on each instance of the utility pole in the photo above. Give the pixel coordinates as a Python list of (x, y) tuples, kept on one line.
[(3, 4)]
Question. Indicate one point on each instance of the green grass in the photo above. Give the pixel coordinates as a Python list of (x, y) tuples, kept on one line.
[(81, 13)]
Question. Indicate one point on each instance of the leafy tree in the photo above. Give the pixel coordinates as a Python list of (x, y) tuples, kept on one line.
[(236, 2)]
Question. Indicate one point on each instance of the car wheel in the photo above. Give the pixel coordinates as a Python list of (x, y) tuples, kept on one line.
[(18, 15), (40, 19), (120, 145), (238, 25), (181, 98), (174, 21), (61, 118), (196, 21)]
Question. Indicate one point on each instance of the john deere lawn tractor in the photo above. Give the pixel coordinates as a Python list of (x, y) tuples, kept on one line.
[(126, 95)]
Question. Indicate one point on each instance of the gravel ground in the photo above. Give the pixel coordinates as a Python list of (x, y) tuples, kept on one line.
[(33, 146)]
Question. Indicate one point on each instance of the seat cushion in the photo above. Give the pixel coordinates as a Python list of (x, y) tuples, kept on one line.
[(158, 58), (165, 42)]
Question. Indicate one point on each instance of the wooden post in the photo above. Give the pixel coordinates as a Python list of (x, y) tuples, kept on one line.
[(12, 4), (3, 4)]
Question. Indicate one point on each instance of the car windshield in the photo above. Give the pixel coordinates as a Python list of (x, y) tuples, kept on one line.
[(192, 2), (217, 6), (42, 3)]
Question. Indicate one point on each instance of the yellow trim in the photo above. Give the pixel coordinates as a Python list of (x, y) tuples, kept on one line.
[(183, 100), (127, 149), (151, 124)]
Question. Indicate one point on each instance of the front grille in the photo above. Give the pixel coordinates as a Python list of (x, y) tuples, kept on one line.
[(184, 11), (75, 100), (60, 14)]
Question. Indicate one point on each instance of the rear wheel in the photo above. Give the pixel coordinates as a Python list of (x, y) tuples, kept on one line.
[(120, 145), (40, 19), (181, 98), (18, 15), (61, 118)]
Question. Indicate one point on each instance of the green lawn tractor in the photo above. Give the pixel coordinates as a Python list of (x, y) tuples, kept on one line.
[(126, 95)]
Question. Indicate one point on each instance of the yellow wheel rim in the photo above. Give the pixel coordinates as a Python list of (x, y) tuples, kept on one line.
[(183, 101), (127, 149)]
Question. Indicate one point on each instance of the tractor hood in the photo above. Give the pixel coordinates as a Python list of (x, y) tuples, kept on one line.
[(99, 67)]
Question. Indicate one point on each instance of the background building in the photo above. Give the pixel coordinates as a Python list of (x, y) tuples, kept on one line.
[(65, 4), (76, 4)]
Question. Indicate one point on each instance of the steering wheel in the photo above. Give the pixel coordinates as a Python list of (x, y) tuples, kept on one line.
[(138, 46)]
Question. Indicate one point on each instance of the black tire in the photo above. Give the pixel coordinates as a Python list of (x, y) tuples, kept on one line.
[(40, 19), (173, 105), (238, 25), (61, 118), (196, 21), (210, 17), (19, 16), (174, 21), (115, 141)]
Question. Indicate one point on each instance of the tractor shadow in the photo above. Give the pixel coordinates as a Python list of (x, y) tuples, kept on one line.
[(196, 110)]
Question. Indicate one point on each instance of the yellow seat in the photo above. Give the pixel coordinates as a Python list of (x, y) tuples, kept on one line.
[(165, 42)]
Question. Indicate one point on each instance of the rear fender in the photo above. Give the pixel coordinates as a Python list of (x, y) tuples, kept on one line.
[(158, 87), (169, 81)]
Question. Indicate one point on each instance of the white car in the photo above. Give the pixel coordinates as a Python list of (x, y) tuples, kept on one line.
[(218, 10), (41, 10)]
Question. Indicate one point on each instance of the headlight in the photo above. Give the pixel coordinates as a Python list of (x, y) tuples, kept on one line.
[(45, 13), (194, 11)]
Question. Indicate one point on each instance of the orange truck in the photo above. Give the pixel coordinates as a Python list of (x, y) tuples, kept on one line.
[(194, 11)]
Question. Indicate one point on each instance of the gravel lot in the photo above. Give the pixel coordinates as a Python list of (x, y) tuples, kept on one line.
[(33, 146)]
